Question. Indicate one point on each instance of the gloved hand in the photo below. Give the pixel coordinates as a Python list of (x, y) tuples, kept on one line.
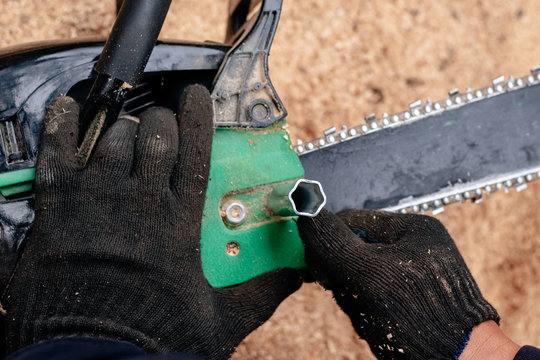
[(115, 248), (400, 278)]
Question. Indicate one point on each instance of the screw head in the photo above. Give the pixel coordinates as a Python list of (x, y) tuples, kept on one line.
[(232, 248), (236, 213)]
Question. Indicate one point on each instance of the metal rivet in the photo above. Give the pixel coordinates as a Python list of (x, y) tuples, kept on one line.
[(478, 93), (232, 248), (395, 118), (352, 132), (300, 149), (310, 146)]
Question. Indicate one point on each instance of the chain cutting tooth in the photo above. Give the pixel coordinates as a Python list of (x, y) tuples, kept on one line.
[(453, 92), (385, 121), (329, 131), (521, 187), (415, 108), (299, 146), (535, 72), (469, 95), (343, 132), (371, 121), (498, 83)]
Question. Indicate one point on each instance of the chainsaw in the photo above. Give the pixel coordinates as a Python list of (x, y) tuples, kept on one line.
[(419, 160)]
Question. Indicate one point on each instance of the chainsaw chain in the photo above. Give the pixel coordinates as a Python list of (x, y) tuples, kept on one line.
[(454, 193)]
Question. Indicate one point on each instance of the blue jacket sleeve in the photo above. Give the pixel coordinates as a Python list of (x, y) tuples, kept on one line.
[(528, 353), (90, 349)]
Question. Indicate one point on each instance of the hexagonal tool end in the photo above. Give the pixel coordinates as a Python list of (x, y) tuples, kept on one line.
[(302, 198)]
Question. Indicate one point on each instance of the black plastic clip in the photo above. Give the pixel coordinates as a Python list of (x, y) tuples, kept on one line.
[(243, 94)]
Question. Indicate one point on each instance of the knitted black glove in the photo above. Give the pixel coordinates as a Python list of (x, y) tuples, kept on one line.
[(400, 278), (114, 250)]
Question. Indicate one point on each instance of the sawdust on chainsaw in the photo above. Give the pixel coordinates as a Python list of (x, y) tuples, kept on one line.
[(334, 62)]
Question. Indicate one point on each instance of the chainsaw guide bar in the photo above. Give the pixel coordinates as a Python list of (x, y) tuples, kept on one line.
[(433, 154)]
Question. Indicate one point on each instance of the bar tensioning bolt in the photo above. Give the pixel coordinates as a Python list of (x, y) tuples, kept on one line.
[(236, 213)]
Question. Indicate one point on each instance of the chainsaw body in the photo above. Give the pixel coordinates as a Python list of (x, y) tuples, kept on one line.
[(248, 159)]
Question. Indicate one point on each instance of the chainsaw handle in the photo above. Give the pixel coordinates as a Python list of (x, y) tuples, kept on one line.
[(120, 67)]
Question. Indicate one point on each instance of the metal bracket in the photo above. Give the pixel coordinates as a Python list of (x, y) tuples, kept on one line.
[(243, 95)]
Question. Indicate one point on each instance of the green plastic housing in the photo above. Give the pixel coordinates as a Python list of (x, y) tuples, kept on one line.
[(246, 165), (16, 182)]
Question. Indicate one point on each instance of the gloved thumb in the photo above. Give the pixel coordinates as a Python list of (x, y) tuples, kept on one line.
[(332, 249)]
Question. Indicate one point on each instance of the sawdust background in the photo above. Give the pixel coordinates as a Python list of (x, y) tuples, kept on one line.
[(333, 62)]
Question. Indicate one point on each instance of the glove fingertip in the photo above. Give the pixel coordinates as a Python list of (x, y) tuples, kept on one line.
[(58, 142)]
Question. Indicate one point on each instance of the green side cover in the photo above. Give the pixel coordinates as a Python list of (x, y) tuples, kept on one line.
[(246, 164), (16, 182)]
